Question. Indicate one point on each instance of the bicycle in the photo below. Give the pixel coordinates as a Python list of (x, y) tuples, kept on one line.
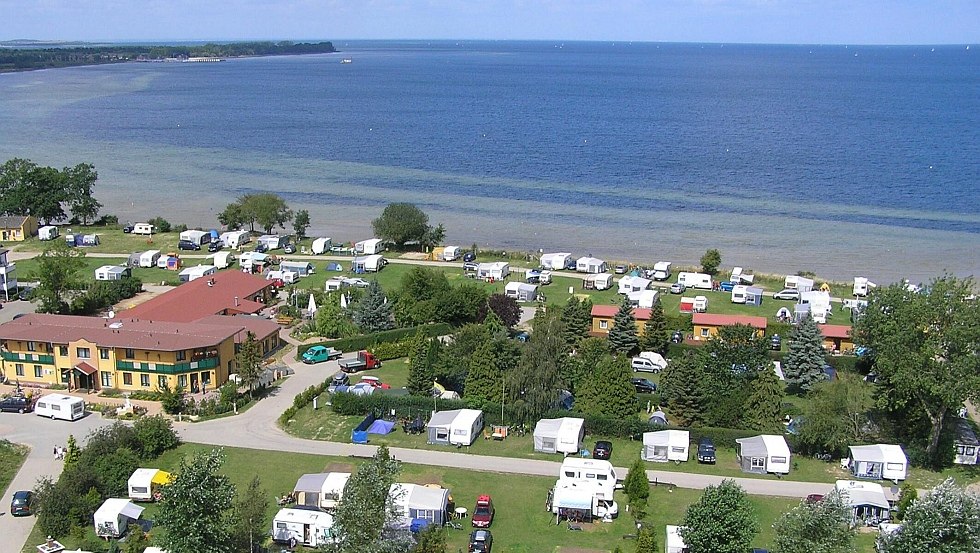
[(453, 524)]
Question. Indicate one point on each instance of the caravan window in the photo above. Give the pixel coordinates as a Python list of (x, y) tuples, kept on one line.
[(459, 432), (779, 459), (55, 407), (570, 474), (677, 449), (140, 489), (42, 405), (442, 434), (331, 496), (280, 525), (895, 466), (590, 475), (602, 477), (758, 463)]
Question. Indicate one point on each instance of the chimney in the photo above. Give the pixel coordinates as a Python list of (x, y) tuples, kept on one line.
[(236, 301)]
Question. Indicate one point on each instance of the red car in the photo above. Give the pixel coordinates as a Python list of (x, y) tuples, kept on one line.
[(375, 382), (483, 514)]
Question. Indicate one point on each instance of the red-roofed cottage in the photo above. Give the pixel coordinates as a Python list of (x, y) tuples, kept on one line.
[(837, 338), (603, 315), (706, 325)]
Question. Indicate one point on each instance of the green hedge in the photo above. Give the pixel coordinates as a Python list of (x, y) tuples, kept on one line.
[(387, 351), (303, 399), (367, 341)]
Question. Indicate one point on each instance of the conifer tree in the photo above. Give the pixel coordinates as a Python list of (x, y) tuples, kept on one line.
[(622, 335), (681, 388), (608, 392), (72, 451), (655, 336), (373, 312), (249, 362), (764, 405), (803, 364), (483, 381), (420, 370), (577, 319), (646, 540), (637, 488)]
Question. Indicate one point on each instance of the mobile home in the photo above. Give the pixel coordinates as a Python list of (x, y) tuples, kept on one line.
[(661, 270), (802, 284), (862, 286), (149, 258), (555, 261), (302, 527), (112, 272), (274, 241), (47, 233), (666, 445), (60, 406), (143, 228), (198, 237), (321, 246), (455, 427), (590, 265), (763, 454), (368, 263), (113, 517), (302, 268), (144, 484), (235, 238), (369, 247), (695, 280)]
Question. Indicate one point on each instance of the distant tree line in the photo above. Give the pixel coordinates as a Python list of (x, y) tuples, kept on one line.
[(22, 59)]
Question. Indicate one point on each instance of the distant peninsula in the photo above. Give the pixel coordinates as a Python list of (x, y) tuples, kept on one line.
[(24, 55)]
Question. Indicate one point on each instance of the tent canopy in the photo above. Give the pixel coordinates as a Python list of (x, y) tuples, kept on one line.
[(856, 494), (381, 427), (878, 453), (310, 483), (113, 507), (676, 438)]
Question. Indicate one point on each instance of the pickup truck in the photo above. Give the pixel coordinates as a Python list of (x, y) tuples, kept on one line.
[(318, 354), (364, 361)]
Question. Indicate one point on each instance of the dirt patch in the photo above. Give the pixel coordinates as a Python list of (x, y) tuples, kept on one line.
[(414, 255), (339, 467), (430, 477)]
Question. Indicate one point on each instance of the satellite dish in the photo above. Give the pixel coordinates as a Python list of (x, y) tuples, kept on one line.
[(112, 314)]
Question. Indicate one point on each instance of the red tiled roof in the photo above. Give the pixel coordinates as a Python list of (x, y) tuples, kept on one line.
[(641, 314), (835, 331), (262, 328), (195, 299), (714, 319), (85, 368), (118, 332)]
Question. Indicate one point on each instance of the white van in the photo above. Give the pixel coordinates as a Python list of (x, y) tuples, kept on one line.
[(58, 406)]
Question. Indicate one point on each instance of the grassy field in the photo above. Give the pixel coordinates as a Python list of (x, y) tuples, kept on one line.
[(521, 524), (12, 456)]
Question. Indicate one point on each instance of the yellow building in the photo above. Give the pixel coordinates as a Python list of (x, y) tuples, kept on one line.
[(126, 354), (837, 338), (603, 318), (706, 325), (17, 228)]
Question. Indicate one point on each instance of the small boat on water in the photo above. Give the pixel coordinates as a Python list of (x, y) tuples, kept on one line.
[(346, 60)]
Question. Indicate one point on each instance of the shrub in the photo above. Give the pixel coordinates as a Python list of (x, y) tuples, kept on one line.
[(161, 224), (155, 435), (387, 351), (369, 341)]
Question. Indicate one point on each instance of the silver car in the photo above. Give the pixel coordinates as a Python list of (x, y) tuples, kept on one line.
[(787, 294)]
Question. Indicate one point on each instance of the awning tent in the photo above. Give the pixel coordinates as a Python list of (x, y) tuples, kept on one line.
[(878, 461), (112, 518), (666, 445), (420, 502), (562, 435), (866, 499)]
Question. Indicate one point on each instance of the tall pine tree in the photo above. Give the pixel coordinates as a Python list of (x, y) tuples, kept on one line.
[(577, 319), (609, 392), (764, 405), (484, 379), (803, 364), (622, 335), (420, 366), (655, 336), (373, 312), (681, 389)]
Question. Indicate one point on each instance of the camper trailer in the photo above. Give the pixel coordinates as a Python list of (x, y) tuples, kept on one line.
[(235, 238), (194, 273), (59, 406), (198, 237), (555, 261), (113, 517), (143, 228), (220, 260), (273, 241), (666, 445), (302, 268), (590, 265), (601, 281), (497, 271), (321, 246), (112, 272), (521, 291), (144, 484), (455, 427), (562, 435), (369, 247), (661, 270), (282, 277), (629, 284), (302, 527), (368, 263), (644, 299), (801, 284), (862, 286), (674, 542), (47, 233), (451, 253), (149, 258), (695, 280), (739, 293)]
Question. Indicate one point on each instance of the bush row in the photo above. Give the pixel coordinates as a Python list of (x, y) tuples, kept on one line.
[(303, 399), (368, 341), (387, 351)]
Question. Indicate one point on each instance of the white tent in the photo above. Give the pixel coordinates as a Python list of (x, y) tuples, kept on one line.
[(879, 461), (666, 445), (322, 490), (674, 543), (420, 502), (112, 518), (455, 427), (311, 307), (562, 435)]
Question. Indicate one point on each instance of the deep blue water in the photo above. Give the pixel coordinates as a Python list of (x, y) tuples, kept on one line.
[(871, 126)]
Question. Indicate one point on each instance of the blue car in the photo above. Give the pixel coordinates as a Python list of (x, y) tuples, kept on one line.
[(726, 286)]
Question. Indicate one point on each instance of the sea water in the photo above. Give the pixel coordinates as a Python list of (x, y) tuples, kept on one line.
[(837, 159)]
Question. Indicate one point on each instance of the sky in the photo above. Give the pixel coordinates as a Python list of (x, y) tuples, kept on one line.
[(719, 21)]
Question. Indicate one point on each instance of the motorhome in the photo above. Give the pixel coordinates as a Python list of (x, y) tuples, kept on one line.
[(819, 303), (695, 280), (143, 228), (661, 270), (59, 406), (579, 500), (599, 472)]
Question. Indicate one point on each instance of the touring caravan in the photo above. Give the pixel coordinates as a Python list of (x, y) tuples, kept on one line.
[(601, 281), (113, 517), (143, 228), (590, 265), (455, 427), (644, 299), (47, 233), (368, 264), (695, 280), (555, 261), (801, 284), (302, 527), (451, 253), (198, 237), (220, 260), (819, 304), (284, 277), (143, 485), (661, 270), (149, 258), (302, 268), (321, 246), (739, 293), (666, 445), (59, 406), (273, 241), (564, 435), (369, 247), (194, 273), (862, 286), (739, 277), (234, 238)]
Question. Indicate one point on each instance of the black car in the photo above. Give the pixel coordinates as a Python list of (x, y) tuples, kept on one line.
[(289, 248), (127, 229), (215, 246), (15, 404), (706, 451), (188, 245), (776, 342), (469, 256), (481, 541), (602, 450), (20, 505), (643, 386), (261, 248), (677, 337)]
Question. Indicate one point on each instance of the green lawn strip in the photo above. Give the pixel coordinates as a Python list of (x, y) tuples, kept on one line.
[(12, 456)]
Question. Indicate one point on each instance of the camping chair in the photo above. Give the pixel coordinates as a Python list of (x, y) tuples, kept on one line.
[(486, 434)]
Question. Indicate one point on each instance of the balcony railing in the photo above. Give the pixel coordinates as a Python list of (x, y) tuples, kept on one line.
[(165, 368), (28, 358)]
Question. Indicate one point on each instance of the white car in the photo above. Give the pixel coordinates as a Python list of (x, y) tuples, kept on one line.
[(787, 294)]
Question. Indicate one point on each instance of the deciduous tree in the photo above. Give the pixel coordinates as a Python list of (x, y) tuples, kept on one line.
[(79, 181), (331, 320), (836, 415), (373, 312), (622, 336), (57, 273), (248, 361), (710, 261), (301, 222), (401, 223), (156, 435), (432, 539), (506, 308), (194, 506), (946, 520), (364, 520), (248, 518), (803, 364), (816, 527), (721, 521), (925, 349)]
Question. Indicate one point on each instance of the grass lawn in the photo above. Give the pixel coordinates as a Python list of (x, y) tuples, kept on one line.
[(521, 524), (12, 456)]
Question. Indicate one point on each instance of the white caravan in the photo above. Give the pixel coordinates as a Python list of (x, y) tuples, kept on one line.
[(661, 270), (302, 527), (695, 280), (59, 406)]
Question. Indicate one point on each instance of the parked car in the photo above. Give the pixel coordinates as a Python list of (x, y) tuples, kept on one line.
[(677, 337), (469, 256), (706, 451), (375, 383), (289, 248), (776, 342), (470, 266), (726, 286), (643, 386), (188, 245), (787, 294), (127, 229), (602, 450), (15, 404), (21, 504), (814, 498), (620, 269), (483, 513), (318, 354), (481, 541), (215, 246), (677, 288), (261, 248), (339, 379), (25, 294), (648, 362)]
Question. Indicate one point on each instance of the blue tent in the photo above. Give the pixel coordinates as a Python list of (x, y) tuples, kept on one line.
[(360, 433), (381, 427)]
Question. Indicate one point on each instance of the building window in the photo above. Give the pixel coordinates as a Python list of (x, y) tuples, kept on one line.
[(38, 371), (161, 381), (145, 380), (19, 368), (603, 325), (106, 379), (31, 346), (705, 333), (128, 379), (181, 355), (63, 351), (182, 380), (103, 353), (206, 377), (130, 353), (83, 353)]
